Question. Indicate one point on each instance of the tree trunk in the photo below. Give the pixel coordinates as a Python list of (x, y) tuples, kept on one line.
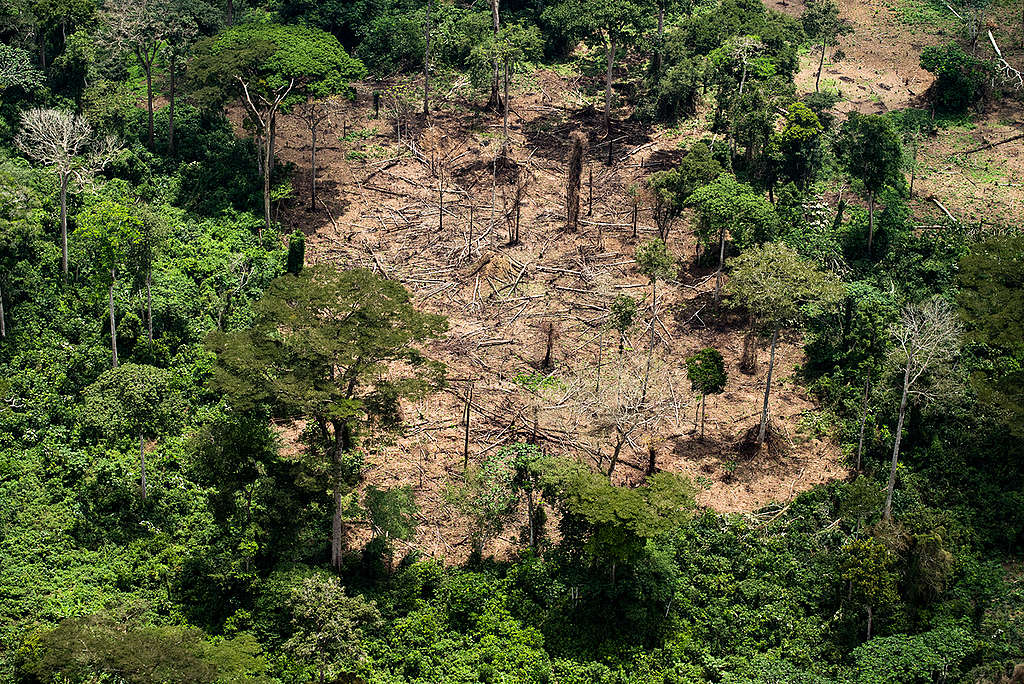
[(312, 163), (863, 419), (3, 322), (142, 462), (170, 110), (426, 68), (495, 99), (721, 264), (147, 66), (871, 220), (821, 63), (703, 414), (763, 431), (231, 13), (266, 183), (652, 454), (887, 511), (113, 320), (650, 349), (341, 445), (149, 301), (504, 109), (615, 455), (608, 84), (870, 617), (661, 35), (64, 223)]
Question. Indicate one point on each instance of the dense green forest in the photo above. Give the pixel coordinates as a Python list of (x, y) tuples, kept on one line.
[(449, 341)]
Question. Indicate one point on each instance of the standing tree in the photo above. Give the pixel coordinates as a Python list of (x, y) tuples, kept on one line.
[(329, 626), (112, 234), (706, 371), (137, 400), (656, 263), (510, 47), (336, 348), (821, 22), (775, 285), (269, 67), (611, 24), (728, 206), (623, 314), (926, 341), (137, 27), (64, 142), (872, 153), (183, 21)]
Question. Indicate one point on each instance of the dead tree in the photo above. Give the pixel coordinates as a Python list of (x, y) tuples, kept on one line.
[(927, 340), (314, 114), (577, 146)]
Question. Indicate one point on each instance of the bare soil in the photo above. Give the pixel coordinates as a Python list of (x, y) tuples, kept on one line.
[(378, 208)]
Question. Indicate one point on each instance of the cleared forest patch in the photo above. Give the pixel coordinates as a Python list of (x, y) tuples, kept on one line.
[(435, 211)]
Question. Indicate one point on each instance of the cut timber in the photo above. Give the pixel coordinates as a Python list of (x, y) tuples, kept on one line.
[(996, 144), (944, 209)]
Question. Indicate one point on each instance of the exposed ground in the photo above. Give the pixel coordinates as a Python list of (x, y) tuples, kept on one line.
[(379, 209)]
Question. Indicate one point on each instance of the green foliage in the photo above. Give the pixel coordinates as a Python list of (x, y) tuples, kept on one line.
[(111, 233), (270, 58), (705, 370), (778, 287), (913, 659), (727, 206), (960, 79), (654, 260), (132, 400), (123, 649), (392, 511), (350, 321), (328, 626), (296, 253), (623, 313), (871, 151), (991, 281)]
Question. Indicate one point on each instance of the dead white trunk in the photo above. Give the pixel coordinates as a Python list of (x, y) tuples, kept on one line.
[(113, 319), (887, 511)]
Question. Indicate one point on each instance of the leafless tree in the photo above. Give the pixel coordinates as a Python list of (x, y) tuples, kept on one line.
[(64, 142), (577, 145), (314, 113), (927, 339)]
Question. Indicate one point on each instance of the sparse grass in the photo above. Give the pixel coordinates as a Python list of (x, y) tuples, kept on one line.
[(925, 14), (362, 134), (535, 382)]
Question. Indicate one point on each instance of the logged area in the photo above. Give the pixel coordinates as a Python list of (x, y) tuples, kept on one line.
[(546, 342)]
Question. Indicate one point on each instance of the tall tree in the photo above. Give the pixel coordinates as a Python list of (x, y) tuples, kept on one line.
[(610, 24), (137, 27), (112, 234), (775, 285), (269, 68), (337, 348), (727, 207), (656, 263), (510, 47), (872, 153), (137, 400), (65, 143), (925, 342), (821, 22), (706, 372)]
